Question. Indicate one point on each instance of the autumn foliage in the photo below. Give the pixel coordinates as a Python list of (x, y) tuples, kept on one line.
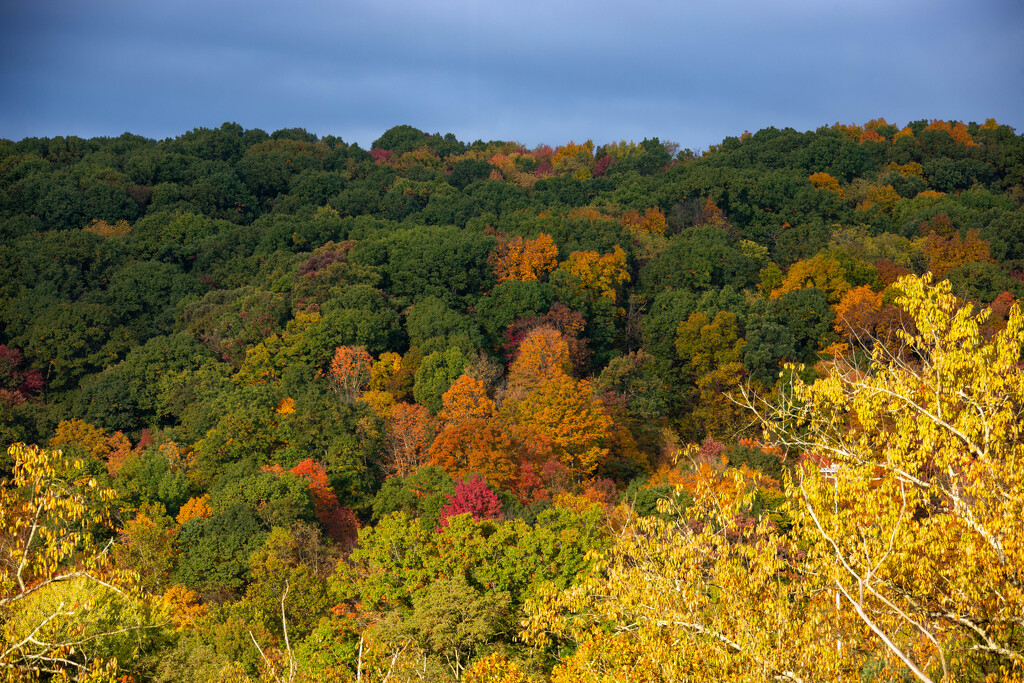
[(350, 371), (823, 181), (523, 259), (471, 496), (599, 274)]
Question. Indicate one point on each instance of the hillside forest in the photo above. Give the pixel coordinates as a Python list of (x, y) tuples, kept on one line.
[(280, 408)]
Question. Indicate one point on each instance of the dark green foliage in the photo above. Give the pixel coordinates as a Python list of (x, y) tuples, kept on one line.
[(433, 326), (511, 301), (705, 258), (983, 282), (125, 396), (445, 262), (215, 551), (436, 374), (400, 139), (789, 329)]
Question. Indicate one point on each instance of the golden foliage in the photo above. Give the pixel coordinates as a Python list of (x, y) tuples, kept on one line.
[(563, 411), (652, 221), (916, 520), (955, 129), (857, 313), (49, 511), (465, 399), (946, 253), (286, 406), (911, 168), (494, 668), (89, 438), (523, 259), (542, 356), (195, 508), (851, 131), (823, 181), (821, 272), (475, 446), (577, 159), (184, 606), (120, 452), (104, 229), (410, 432), (884, 197), (871, 136), (599, 274)]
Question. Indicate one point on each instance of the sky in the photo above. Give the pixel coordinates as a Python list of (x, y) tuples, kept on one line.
[(533, 71)]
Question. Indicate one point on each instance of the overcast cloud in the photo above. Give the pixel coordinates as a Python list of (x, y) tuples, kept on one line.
[(536, 71)]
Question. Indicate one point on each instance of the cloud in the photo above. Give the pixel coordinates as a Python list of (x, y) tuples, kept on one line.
[(537, 71)]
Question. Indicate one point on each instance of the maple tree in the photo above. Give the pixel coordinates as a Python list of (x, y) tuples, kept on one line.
[(197, 507), (564, 411), (473, 497), (543, 355), (475, 445), (466, 398), (339, 522), (350, 371), (858, 315)]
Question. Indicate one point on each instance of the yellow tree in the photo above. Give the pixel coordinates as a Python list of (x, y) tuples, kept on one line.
[(466, 398), (652, 221), (945, 253), (563, 410), (904, 554), (543, 355), (410, 431), (916, 520), (823, 181), (821, 272), (707, 594), (599, 274), (49, 511)]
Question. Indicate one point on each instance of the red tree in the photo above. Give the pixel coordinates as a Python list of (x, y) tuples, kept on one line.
[(339, 522), (472, 496)]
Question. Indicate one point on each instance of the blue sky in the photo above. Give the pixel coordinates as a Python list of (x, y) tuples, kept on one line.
[(535, 71)]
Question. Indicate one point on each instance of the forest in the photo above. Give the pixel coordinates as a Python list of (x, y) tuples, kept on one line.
[(275, 407)]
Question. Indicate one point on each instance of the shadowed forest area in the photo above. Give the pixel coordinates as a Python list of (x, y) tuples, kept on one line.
[(283, 408)]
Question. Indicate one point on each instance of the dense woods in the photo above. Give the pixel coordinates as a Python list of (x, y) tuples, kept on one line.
[(282, 408)]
